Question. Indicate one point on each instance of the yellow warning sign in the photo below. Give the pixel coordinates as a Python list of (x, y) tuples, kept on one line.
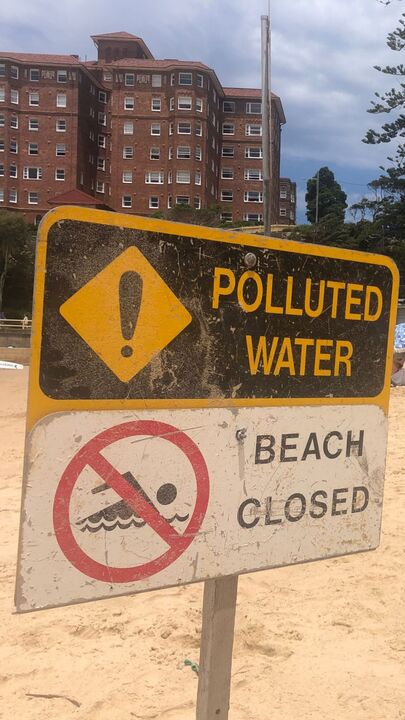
[(126, 314)]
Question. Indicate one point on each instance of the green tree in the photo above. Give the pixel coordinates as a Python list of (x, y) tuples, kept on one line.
[(392, 103), (331, 197), (14, 234)]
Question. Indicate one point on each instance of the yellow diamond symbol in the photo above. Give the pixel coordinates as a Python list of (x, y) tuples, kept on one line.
[(126, 314)]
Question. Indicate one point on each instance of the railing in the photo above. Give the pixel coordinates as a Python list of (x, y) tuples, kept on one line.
[(15, 324)]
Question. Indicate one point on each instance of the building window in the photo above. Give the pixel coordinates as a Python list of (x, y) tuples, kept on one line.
[(227, 195), (171, 103), (156, 104), (32, 198), (34, 75), (127, 176), (156, 81), (61, 76), (184, 152), (154, 153), (254, 108), (171, 127), (13, 171), (253, 196), (101, 141), (200, 80), (129, 102), (254, 152), (154, 202), (14, 147), (197, 203), (172, 78), (228, 151), (33, 124), (91, 161), (184, 103), (102, 96), (107, 77), (169, 202), (128, 152), (197, 177), (61, 126), (2, 170), (59, 174), (253, 174), (14, 72), (12, 196), (184, 128), (14, 97), (14, 122), (100, 163), (33, 99), (1, 195), (60, 149), (182, 200), (32, 148), (128, 128), (183, 177), (199, 105), (185, 78), (60, 100), (2, 70), (227, 173), (253, 130), (253, 217), (32, 173), (170, 153), (228, 129), (126, 201), (2, 121), (228, 106), (130, 82), (226, 216), (154, 177), (155, 129), (169, 177), (102, 118), (283, 212), (2, 94), (198, 128), (91, 112), (100, 186), (198, 154), (1, 145)]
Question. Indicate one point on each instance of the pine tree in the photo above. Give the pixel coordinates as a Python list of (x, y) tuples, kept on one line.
[(331, 197)]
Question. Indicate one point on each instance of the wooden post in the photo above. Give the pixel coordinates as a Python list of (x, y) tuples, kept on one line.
[(218, 622)]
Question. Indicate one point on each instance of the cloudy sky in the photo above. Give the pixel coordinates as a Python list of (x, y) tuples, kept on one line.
[(323, 52)]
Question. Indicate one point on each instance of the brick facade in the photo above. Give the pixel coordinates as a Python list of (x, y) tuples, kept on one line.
[(288, 202), (138, 134)]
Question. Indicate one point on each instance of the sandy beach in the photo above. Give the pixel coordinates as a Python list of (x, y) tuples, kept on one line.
[(323, 641)]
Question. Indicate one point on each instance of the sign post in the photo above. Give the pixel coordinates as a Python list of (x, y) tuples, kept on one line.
[(202, 404)]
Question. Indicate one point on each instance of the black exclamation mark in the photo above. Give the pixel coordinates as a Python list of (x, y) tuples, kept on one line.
[(130, 297)]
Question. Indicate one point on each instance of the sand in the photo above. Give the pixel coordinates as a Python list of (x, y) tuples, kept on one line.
[(322, 641)]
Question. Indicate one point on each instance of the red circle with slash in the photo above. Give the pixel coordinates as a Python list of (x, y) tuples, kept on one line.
[(90, 455)]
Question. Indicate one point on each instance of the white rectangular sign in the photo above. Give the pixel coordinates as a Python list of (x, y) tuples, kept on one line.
[(122, 502)]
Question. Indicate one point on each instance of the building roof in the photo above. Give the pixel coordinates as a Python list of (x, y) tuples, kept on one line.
[(41, 58), (255, 93), (123, 37), (74, 197), (151, 63)]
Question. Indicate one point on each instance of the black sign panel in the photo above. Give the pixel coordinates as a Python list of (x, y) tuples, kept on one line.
[(264, 323)]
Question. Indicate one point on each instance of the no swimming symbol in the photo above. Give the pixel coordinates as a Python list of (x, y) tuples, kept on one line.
[(133, 497)]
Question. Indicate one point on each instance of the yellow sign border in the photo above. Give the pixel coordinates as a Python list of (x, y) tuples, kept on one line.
[(40, 404)]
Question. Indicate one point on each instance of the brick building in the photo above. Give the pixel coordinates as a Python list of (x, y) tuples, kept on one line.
[(288, 202), (137, 134)]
